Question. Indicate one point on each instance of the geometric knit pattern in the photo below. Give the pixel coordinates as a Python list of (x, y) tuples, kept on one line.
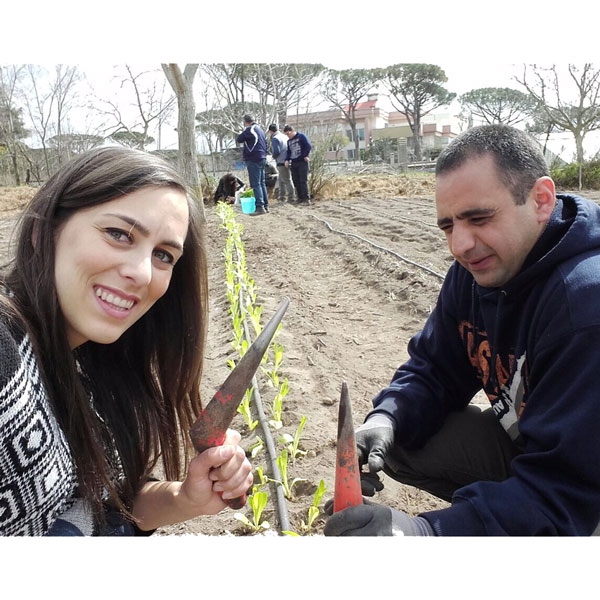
[(37, 474)]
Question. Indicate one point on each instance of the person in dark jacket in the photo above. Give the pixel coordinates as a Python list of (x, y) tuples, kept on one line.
[(518, 318), (255, 156), (298, 158), (226, 190)]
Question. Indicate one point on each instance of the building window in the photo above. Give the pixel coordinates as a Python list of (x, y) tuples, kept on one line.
[(360, 133)]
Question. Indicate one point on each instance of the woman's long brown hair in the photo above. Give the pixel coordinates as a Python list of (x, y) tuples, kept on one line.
[(145, 387)]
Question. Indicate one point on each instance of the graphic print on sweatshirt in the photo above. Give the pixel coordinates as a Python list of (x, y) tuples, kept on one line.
[(507, 385)]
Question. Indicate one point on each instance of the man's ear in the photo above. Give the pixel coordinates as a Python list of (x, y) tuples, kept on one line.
[(544, 196)]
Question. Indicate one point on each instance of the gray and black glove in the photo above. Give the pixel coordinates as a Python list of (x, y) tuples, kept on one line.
[(374, 438), (371, 519)]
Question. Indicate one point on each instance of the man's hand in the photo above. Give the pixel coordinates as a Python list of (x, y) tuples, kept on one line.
[(374, 438), (374, 520)]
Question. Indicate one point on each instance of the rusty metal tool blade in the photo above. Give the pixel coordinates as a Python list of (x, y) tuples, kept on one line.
[(347, 471), (210, 427)]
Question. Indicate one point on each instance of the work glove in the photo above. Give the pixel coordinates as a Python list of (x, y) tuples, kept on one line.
[(374, 438), (370, 519)]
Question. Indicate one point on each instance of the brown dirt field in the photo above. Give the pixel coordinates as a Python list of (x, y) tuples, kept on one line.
[(362, 267)]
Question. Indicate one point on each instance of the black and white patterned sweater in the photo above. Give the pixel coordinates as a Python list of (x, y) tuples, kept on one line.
[(37, 475)]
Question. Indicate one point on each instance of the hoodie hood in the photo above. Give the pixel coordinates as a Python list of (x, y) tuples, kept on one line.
[(573, 229)]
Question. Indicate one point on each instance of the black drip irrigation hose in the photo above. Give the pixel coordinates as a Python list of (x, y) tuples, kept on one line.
[(372, 212), (280, 504), (403, 258)]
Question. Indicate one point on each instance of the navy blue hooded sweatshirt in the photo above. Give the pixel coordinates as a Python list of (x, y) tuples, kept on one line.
[(533, 346)]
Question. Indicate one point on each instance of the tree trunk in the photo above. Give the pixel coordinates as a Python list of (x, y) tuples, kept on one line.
[(417, 138), (579, 146), (16, 169), (182, 84)]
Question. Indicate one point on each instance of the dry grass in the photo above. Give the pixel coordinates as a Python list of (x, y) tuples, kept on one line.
[(339, 187), (378, 185), (15, 198)]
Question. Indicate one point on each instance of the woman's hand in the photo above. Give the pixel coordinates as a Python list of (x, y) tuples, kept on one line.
[(222, 470), (217, 473)]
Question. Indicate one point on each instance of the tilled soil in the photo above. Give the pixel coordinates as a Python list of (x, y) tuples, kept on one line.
[(362, 274)]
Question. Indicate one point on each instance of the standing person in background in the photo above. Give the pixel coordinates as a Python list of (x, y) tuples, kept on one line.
[(279, 144), (297, 159), (103, 320), (255, 156)]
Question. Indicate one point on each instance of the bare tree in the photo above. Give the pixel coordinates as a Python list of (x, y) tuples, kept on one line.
[(345, 89), (281, 86), (62, 89), (415, 90), (228, 84), (48, 103), (570, 103), (149, 103), (12, 128), (182, 83)]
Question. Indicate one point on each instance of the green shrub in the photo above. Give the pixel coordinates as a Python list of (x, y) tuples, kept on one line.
[(567, 177)]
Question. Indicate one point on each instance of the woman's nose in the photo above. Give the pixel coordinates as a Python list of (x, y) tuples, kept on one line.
[(138, 267)]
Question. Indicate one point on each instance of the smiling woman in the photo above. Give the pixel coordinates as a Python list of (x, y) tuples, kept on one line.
[(103, 317), (115, 260)]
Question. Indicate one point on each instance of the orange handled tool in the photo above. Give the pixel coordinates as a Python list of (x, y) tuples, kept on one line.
[(347, 471), (210, 428)]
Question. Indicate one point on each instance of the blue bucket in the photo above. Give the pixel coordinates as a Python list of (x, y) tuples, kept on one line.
[(248, 204)]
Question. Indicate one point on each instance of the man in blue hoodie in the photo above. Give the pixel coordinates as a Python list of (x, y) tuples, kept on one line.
[(297, 159), (254, 154), (518, 318)]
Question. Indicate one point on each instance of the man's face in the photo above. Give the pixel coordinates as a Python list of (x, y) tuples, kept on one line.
[(487, 233), (290, 134)]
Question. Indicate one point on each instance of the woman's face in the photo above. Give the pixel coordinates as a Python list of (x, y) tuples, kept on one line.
[(115, 260)]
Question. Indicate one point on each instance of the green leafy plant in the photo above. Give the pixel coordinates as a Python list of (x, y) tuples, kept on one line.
[(249, 193), (262, 478), (292, 442), (282, 463), (244, 410), (257, 501), (257, 447), (277, 407), (241, 293), (314, 511)]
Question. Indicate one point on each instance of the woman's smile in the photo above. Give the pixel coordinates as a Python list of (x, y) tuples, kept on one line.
[(115, 260)]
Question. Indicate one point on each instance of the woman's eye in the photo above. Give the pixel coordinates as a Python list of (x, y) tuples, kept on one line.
[(164, 256), (118, 235)]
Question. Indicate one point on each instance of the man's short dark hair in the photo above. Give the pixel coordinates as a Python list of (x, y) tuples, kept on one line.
[(248, 119), (518, 157), (288, 128), (272, 127)]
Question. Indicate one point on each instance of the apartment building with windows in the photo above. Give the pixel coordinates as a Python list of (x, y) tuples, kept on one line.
[(374, 122)]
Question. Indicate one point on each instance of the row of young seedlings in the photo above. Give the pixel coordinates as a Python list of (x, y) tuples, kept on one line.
[(244, 310)]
